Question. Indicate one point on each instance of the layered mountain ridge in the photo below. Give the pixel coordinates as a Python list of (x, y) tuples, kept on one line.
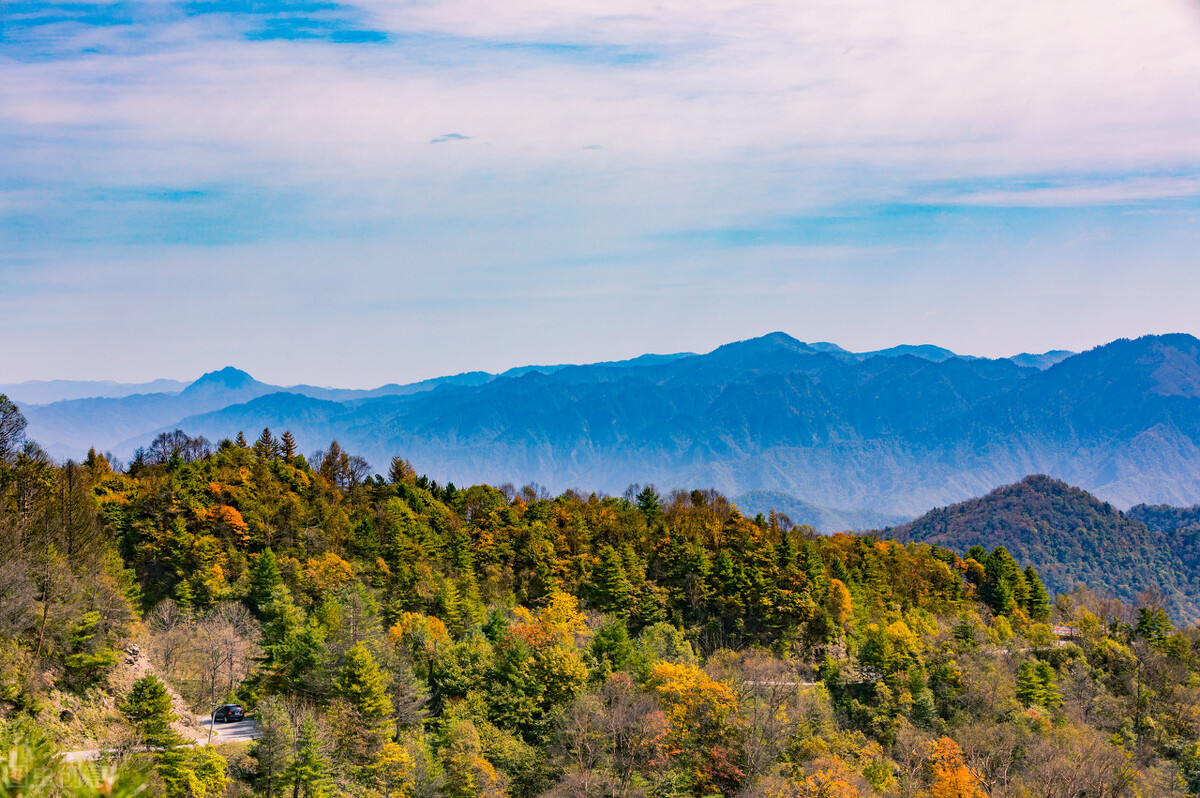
[(891, 432)]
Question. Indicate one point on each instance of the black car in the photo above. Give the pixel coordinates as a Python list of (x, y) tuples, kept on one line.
[(228, 713)]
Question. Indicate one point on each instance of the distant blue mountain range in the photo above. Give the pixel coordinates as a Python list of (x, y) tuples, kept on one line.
[(857, 438)]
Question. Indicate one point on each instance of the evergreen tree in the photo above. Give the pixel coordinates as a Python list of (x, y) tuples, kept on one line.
[(240, 441), (287, 445), (964, 633), (265, 447), (648, 502), (401, 471), (611, 648), (610, 586), (1036, 685), (308, 773), (1154, 625), (89, 655), (148, 708), (1037, 603), (1003, 583), (264, 579), (292, 646), (814, 569), (273, 749), (409, 698), (364, 686)]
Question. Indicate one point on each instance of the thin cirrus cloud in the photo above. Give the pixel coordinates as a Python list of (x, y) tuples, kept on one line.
[(624, 135)]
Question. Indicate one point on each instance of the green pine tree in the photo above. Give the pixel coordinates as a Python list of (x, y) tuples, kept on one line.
[(1000, 588), (308, 773), (610, 586), (89, 656), (265, 447), (148, 708), (1154, 625), (611, 648), (1036, 685), (648, 502), (273, 749), (287, 445), (264, 578), (1037, 602), (364, 686)]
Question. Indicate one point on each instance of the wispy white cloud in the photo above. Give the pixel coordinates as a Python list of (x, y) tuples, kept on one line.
[(584, 133), (920, 86), (1069, 191)]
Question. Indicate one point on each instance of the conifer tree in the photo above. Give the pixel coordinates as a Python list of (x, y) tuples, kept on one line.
[(308, 773), (264, 578), (401, 471), (89, 656), (610, 586), (265, 446), (611, 648), (1036, 686), (1037, 602), (1154, 624), (185, 597), (648, 502), (240, 441), (97, 466), (148, 708), (814, 569), (274, 746), (450, 602), (1004, 584), (364, 686), (287, 444), (292, 646)]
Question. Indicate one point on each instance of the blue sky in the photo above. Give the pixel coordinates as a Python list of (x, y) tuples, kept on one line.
[(360, 193)]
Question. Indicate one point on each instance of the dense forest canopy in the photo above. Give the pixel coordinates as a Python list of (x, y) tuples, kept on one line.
[(397, 637)]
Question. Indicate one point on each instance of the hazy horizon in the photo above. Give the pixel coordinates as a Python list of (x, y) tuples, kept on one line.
[(186, 379)]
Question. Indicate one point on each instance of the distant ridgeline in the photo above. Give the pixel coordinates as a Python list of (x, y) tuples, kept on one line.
[(859, 439), (1073, 538)]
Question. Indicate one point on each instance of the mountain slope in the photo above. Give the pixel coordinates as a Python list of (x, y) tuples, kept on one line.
[(1069, 536)]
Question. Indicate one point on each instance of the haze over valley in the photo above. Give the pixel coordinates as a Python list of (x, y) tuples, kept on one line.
[(891, 433)]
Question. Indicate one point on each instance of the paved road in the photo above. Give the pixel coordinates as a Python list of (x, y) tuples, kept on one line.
[(241, 732)]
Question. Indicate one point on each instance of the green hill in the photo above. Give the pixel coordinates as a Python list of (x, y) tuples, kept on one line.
[(1070, 537)]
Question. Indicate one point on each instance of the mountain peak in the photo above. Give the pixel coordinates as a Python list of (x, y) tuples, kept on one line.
[(771, 342), (228, 378), (931, 352)]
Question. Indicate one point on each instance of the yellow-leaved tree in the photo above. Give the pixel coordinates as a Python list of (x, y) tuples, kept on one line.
[(951, 777)]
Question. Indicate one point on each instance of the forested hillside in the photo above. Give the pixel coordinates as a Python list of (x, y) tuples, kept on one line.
[(1073, 538), (397, 637)]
